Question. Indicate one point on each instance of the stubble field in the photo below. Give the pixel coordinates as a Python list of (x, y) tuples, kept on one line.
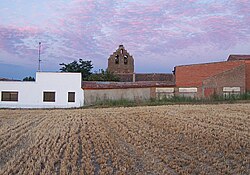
[(178, 139)]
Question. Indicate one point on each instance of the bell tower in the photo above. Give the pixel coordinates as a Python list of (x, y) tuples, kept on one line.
[(121, 62)]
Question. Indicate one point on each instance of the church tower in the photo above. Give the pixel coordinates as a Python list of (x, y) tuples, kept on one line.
[(121, 62)]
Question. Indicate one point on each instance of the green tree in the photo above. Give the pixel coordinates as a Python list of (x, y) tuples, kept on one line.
[(78, 66), (103, 76), (29, 78)]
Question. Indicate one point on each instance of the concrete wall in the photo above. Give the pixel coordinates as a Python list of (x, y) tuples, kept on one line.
[(134, 94), (92, 96), (30, 94)]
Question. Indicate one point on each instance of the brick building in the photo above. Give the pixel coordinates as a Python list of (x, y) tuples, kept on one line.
[(246, 59), (231, 76), (121, 63)]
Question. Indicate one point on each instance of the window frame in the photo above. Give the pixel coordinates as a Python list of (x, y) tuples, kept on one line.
[(74, 97), (49, 100), (13, 96)]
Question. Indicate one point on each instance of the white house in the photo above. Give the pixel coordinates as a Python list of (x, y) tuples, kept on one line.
[(50, 90)]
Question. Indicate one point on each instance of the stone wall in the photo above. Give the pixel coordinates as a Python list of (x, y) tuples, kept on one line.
[(121, 61)]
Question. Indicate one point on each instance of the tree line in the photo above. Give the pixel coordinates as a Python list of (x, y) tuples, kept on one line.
[(85, 68)]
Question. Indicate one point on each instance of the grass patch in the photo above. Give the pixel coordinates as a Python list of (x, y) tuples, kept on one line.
[(215, 99)]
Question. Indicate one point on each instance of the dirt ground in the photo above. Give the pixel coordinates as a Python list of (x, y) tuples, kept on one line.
[(177, 139)]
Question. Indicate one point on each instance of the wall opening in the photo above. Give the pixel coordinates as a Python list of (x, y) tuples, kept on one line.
[(49, 96), (117, 59), (9, 96), (125, 59), (71, 96)]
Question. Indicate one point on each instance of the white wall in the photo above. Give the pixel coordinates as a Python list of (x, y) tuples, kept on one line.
[(30, 94)]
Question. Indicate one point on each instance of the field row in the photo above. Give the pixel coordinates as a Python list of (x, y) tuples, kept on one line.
[(180, 139)]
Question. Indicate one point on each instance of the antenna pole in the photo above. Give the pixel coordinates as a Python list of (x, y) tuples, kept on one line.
[(39, 57)]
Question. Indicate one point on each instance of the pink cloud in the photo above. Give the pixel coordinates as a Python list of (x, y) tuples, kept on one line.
[(92, 29)]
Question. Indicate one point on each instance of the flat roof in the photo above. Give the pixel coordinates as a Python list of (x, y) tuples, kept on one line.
[(124, 85)]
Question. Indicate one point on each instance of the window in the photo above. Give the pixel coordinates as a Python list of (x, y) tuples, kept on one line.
[(121, 51), (49, 96), (71, 96), (125, 59), (9, 96), (117, 59)]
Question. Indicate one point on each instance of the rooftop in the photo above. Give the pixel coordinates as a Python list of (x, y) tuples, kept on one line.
[(238, 57), (6, 79), (124, 85)]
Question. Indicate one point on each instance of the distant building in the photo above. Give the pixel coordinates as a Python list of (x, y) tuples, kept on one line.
[(50, 90), (238, 57), (221, 78), (121, 62), (6, 79)]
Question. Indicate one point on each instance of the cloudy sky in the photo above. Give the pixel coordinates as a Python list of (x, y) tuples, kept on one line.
[(160, 34)]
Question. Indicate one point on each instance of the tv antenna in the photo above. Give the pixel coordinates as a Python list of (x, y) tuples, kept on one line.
[(39, 57)]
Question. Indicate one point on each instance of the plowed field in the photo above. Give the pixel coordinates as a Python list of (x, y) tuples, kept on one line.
[(178, 139)]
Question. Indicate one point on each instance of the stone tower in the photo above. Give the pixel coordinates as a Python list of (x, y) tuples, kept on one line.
[(121, 62)]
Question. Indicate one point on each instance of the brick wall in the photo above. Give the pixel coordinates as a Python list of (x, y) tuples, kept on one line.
[(247, 75), (235, 77), (193, 75)]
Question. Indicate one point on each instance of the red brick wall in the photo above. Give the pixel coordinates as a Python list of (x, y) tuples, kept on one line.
[(193, 75)]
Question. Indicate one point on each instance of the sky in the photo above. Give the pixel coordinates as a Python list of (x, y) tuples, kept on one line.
[(160, 34)]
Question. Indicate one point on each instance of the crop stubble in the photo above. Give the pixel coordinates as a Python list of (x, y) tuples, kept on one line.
[(179, 139)]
